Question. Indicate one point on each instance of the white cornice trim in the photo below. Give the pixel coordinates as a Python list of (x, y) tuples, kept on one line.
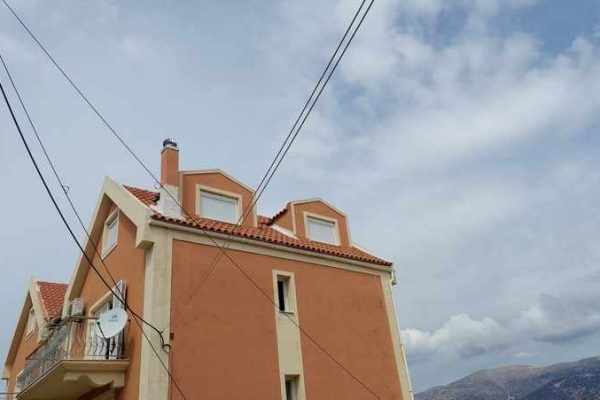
[(310, 256), (128, 204)]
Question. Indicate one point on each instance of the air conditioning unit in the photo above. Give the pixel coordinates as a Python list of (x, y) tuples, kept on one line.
[(76, 308)]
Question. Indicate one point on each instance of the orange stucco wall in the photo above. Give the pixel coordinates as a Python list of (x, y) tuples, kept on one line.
[(317, 207), (286, 220), (216, 181), (27, 345), (224, 330), (127, 263)]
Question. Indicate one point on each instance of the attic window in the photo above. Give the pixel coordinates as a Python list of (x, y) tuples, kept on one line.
[(30, 321), (322, 230), (218, 206), (111, 233)]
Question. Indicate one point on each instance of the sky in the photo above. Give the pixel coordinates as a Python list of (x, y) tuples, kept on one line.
[(460, 136)]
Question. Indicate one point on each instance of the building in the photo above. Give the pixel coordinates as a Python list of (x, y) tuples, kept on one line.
[(293, 310)]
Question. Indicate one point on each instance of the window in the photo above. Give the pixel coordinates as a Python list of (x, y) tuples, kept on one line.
[(18, 382), (321, 230), (283, 293), (31, 321), (291, 388), (99, 347), (111, 233), (219, 207)]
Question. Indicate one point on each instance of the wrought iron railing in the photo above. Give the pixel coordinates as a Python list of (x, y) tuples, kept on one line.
[(78, 339)]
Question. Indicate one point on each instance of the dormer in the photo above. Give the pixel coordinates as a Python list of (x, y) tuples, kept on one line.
[(216, 195), (316, 220), (209, 193)]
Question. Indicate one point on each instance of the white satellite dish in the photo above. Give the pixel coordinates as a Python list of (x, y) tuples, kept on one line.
[(112, 322)]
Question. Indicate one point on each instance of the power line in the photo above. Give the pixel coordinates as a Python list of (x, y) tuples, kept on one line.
[(72, 205), (271, 170), (74, 237), (66, 191), (157, 181)]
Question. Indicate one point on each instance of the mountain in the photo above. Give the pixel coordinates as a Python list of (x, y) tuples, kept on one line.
[(578, 380)]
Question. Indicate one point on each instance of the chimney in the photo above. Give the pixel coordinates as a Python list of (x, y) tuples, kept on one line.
[(168, 203), (169, 163)]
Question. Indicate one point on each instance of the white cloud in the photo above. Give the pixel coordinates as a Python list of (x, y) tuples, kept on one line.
[(461, 336), (552, 319)]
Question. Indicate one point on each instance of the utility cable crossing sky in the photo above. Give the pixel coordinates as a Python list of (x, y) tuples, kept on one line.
[(299, 123)]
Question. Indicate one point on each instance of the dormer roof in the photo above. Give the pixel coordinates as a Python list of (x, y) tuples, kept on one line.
[(264, 231)]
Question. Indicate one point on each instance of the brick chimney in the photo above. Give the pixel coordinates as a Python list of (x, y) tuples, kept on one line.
[(169, 179), (169, 163)]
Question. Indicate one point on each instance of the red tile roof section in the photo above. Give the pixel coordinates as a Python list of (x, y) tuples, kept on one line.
[(145, 196), (263, 232), (52, 296)]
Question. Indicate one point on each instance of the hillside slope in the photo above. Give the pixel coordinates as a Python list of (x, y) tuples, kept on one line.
[(578, 380)]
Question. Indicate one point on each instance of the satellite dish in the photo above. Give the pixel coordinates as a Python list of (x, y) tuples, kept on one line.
[(112, 322)]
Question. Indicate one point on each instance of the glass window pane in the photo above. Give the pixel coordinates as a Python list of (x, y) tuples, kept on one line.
[(111, 233), (321, 230), (218, 207)]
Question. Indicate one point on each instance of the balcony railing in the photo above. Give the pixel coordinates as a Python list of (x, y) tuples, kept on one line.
[(78, 339)]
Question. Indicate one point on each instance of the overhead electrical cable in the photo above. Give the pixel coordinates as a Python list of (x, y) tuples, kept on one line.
[(70, 200), (76, 240), (157, 181), (293, 133)]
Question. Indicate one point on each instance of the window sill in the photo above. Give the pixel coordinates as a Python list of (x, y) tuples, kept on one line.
[(287, 312)]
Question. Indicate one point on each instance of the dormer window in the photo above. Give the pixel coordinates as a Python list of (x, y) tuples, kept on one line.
[(221, 207), (322, 230)]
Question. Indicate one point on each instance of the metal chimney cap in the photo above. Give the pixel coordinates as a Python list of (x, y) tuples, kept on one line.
[(169, 143)]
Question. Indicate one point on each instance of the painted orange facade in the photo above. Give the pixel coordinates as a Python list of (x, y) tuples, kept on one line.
[(280, 315)]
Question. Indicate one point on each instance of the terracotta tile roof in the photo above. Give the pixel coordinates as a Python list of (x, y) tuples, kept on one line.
[(145, 196), (263, 232), (52, 296)]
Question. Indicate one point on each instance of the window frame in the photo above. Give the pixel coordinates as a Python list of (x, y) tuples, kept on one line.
[(218, 193), (111, 221), (294, 381), (92, 318), (336, 227), (290, 306), (18, 388), (31, 322)]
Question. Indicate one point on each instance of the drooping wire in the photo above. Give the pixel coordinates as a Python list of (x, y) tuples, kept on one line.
[(65, 191), (74, 237), (284, 145), (169, 194)]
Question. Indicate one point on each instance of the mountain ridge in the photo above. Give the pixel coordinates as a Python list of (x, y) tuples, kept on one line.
[(577, 380)]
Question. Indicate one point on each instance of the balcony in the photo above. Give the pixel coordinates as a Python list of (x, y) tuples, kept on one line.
[(73, 361)]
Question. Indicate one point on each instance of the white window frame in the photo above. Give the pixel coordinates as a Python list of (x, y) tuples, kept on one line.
[(295, 385), (92, 320), (18, 387), (111, 221), (31, 322), (336, 227), (200, 189), (289, 291)]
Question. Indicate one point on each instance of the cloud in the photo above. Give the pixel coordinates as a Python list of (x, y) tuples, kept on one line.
[(561, 320), (552, 319), (461, 336)]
